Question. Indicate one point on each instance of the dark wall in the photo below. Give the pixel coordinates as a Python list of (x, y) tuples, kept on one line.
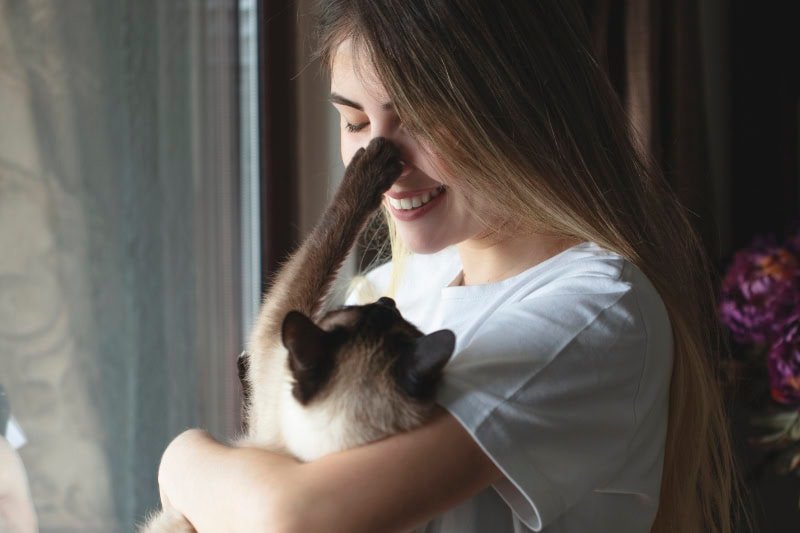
[(765, 64), (764, 194)]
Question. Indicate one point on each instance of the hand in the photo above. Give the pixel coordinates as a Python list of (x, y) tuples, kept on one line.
[(222, 488), (371, 171), (172, 472)]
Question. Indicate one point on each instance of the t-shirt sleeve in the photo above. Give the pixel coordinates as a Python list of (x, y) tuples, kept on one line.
[(547, 388)]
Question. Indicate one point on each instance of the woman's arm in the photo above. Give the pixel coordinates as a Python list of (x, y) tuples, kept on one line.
[(391, 485), (220, 488), (394, 484)]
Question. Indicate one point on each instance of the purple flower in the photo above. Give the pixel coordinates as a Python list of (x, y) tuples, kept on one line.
[(793, 242), (783, 363), (760, 292)]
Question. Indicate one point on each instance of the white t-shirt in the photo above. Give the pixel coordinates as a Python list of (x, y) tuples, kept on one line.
[(561, 374)]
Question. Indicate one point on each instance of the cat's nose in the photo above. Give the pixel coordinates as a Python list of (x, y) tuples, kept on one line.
[(388, 302)]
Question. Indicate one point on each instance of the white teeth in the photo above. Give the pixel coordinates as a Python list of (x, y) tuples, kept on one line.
[(414, 202)]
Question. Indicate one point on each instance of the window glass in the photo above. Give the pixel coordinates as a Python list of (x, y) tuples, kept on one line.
[(120, 271)]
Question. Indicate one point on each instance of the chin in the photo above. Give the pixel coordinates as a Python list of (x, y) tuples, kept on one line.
[(426, 249), (420, 243)]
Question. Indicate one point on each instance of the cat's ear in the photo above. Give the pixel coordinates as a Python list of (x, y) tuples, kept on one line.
[(419, 370), (310, 354)]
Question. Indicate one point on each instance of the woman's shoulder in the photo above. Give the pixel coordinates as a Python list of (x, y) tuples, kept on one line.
[(585, 268), (592, 272), (586, 293), (596, 272)]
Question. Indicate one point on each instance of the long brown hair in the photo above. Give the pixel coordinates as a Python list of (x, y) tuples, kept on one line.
[(512, 98)]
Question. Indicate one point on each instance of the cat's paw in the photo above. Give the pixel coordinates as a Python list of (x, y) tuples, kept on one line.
[(374, 169)]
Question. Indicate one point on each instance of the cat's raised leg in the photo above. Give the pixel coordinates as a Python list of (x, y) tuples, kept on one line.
[(303, 283)]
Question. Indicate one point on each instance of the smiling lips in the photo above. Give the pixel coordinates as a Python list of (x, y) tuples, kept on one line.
[(412, 202), (411, 205)]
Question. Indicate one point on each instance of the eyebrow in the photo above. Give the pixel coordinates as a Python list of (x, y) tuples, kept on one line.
[(339, 99)]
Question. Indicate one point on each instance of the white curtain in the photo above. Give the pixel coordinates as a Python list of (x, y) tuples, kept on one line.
[(119, 243)]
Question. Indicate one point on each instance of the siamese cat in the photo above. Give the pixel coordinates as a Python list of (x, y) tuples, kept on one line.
[(319, 382)]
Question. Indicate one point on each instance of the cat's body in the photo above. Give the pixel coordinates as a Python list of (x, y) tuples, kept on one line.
[(318, 382)]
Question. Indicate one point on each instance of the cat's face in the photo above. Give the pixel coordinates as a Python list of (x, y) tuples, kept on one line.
[(366, 366)]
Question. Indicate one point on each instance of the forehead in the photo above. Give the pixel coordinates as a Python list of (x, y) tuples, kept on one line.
[(353, 76)]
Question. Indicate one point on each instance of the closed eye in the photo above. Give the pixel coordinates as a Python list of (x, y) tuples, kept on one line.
[(355, 128)]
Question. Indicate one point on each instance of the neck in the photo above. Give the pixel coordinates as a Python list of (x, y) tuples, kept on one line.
[(492, 258)]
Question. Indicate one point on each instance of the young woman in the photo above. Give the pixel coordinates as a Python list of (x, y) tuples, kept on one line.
[(583, 394)]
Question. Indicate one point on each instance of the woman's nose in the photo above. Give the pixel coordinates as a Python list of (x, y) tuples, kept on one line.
[(407, 168)]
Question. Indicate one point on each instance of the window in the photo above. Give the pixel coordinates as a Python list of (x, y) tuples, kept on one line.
[(121, 256)]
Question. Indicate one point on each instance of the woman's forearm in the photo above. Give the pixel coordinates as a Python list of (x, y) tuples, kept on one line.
[(220, 488)]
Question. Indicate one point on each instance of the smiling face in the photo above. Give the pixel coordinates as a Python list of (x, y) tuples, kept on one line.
[(429, 210)]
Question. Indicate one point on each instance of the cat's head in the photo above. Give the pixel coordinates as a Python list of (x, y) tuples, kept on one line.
[(366, 367)]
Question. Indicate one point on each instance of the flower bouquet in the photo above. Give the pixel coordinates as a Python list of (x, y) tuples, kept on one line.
[(760, 305)]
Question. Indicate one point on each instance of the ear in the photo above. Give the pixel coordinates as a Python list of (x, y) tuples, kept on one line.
[(310, 354), (302, 338), (420, 369)]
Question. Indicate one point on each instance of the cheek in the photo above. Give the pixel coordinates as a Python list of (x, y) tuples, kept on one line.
[(349, 146), (438, 170), (433, 163)]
